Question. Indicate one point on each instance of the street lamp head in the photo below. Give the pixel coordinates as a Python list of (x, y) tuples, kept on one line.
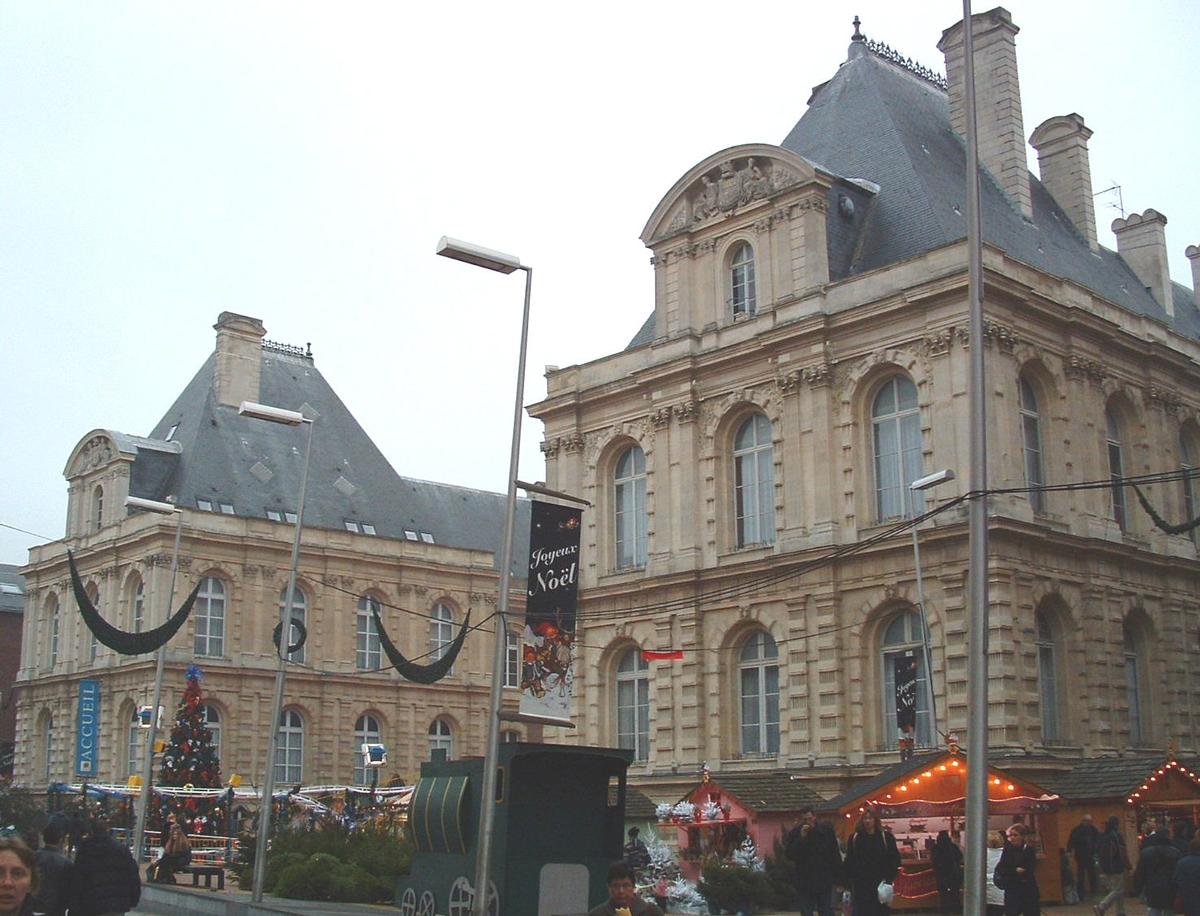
[(478, 255), (272, 414), (932, 480), (151, 505)]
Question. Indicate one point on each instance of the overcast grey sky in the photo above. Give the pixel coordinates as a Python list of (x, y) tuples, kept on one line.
[(163, 162)]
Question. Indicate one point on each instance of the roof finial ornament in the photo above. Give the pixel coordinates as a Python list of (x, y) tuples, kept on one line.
[(858, 35)]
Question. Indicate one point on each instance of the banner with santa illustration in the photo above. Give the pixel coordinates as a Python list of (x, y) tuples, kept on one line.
[(547, 650)]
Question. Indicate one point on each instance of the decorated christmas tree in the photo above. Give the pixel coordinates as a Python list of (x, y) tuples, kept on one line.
[(190, 759)]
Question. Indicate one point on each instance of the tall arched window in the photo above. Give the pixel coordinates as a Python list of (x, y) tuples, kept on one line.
[(299, 612), (1116, 467), (1047, 677), (48, 745), (137, 602), (52, 630), (441, 631), (441, 737), (633, 704), (1031, 444), (1133, 685), (93, 592), (1187, 465), (758, 694), (366, 731), (743, 297), (512, 659), (289, 750), (209, 614), (896, 428), (754, 482), (97, 508), (902, 639), (212, 721), (366, 634), (629, 508), (135, 744)]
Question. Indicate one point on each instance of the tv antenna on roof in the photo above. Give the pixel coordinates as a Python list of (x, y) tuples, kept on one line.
[(1120, 203)]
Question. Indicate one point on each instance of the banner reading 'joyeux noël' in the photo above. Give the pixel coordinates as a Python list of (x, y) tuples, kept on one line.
[(547, 650)]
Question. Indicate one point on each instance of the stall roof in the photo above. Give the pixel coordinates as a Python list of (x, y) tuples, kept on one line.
[(638, 805), (766, 791), (1102, 778)]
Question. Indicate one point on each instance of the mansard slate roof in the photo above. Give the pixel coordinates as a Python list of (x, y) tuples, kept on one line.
[(12, 590), (877, 121), (217, 455)]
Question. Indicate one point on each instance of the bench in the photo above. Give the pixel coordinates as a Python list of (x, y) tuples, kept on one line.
[(207, 872)]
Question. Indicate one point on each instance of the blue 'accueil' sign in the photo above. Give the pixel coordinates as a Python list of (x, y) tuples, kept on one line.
[(87, 732)]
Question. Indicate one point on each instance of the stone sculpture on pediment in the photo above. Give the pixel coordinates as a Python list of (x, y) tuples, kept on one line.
[(735, 183), (98, 451)]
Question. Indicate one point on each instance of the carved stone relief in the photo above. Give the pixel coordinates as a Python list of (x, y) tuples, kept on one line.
[(688, 411), (732, 184), (1002, 336), (661, 418), (1082, 368), (1164, 399), (818, 374), (96, 452)]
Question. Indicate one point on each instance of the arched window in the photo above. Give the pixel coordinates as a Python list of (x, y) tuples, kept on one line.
[(48, 748), (52, 627), (754, 482), (512, 659), (137, 602), (366, 731), (136, 743), (896, 427), (902, 639), (633, 704), (441, 631), (93, 592), (1133, 685), (289, 750), (629, 508), (212, 721), (209, 614), (441, 738), (743, 298), (758, 693), (1031, 444), (1116, 467), (1187, 465), (366, 634), (299, 612), (1047, 677), (97, 508)]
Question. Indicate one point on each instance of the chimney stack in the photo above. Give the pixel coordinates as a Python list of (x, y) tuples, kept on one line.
[(1061, 144), (239, 359), (997, 98), (1193, 255), (1142, 242)]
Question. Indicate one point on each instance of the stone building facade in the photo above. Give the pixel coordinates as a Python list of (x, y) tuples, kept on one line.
[(422, 551), (749, 453)]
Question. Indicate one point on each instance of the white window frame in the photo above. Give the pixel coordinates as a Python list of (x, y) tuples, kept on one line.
[(441, 630), (212, 722), (135, 743), (754, 482), (758, 695), (138, 610), (632, 702), (289, 749), (629, 508), (1046, 645), (896, 469), (512, 658), (299, 611), (1031, 443), (906, 641), (366, 731), (1133, 687), (1116, 467), (441, 735), (368, 655), (743, 286), (98, 507), (209, 614)]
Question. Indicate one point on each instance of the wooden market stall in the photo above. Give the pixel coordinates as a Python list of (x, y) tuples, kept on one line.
[(728, 807), (919, 797)]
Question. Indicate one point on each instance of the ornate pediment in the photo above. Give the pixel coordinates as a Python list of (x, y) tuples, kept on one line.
[(724, 184)]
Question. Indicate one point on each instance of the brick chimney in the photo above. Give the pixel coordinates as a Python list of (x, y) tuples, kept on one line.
[(239, 358), (1193, 255), (997, 99), (1061, 144), (1142, 242)]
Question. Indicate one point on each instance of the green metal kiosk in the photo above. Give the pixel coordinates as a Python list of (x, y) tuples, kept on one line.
[(556, 832)]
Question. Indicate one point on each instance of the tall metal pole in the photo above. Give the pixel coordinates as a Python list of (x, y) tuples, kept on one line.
[(925, 638), (977, 581), (487, 803), (139, 831), (285, 635)]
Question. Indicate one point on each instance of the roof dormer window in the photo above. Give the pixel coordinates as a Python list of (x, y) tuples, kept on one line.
[(742, 292)]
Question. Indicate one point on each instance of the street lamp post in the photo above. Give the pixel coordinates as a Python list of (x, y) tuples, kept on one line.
[(505, 264), (287, 418), (925, 483), (139, 831)]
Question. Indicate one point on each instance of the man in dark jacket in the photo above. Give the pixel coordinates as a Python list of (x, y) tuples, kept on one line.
[(54, 873), (1114, 861), (106, 879), (1187, 878), (812, 848), (1155, 873), (1082, 845)]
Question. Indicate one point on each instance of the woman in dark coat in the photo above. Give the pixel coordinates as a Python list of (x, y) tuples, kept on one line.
[(871, 857), (1015, 875), (948, 872)]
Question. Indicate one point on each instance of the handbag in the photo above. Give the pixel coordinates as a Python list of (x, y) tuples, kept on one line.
[(886, 893)]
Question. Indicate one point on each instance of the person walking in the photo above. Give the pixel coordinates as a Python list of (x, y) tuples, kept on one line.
[(54, 873), (1082, 845), (1015, 874), (1114, 862), (812, 849), (948, 872), (1187, 878), (1155, 873), (106, 879), (622, 895), (18, 877), (871, 859)]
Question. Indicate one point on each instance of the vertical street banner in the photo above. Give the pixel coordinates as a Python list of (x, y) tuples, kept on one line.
[(547, 649), (906, 702), (87, 729)]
